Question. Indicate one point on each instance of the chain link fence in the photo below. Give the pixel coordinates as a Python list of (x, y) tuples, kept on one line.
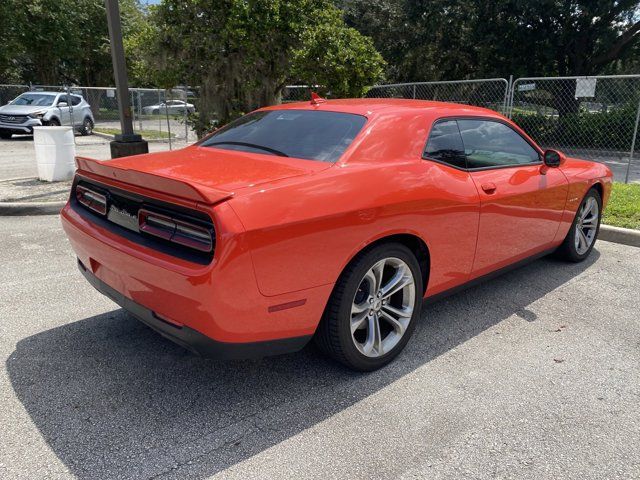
[(490, 93), (9, 92), (595, 118)]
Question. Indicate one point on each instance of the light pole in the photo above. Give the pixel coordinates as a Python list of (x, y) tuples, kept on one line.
[(126, 143)]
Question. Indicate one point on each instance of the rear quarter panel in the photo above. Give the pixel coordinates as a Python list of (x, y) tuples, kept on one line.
[(303, 235)]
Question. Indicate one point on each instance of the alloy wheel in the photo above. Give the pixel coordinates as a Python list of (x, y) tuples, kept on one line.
[(586, 225), (382, 307)]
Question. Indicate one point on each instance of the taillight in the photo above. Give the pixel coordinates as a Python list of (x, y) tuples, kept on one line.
[(91, 199), (175, 230)]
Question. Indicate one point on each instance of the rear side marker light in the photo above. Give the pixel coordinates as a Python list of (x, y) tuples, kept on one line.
[(91, 199), (175, 230)]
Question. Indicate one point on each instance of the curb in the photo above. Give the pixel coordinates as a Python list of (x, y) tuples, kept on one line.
[(626, 236), (31, 208), (109, 137)]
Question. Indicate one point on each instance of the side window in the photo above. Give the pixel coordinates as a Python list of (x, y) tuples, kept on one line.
[(492, 144), (445, 144), (75, 100)]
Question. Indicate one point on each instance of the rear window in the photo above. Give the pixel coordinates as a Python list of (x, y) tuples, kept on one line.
[(311, 135)]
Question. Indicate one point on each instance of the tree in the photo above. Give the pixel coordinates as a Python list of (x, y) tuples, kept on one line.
[(242, 53), (454, 39), (336, 57), (57, 42)]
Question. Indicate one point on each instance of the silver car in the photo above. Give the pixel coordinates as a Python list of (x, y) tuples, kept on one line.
[(32, 109), (170, 107)]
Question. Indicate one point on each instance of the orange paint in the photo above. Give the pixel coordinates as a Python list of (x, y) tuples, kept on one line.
[(285, 228)]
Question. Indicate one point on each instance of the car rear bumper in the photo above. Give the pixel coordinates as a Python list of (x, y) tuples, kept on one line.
[(191, 339)]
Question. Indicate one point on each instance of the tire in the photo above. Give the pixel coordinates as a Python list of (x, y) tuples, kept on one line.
[(87, 127), (155, 111), (354, 299), (574, 248), (54, 122), (5, 135)]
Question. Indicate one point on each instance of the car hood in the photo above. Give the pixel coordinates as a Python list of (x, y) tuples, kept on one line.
[(222, 170), (21, 109)]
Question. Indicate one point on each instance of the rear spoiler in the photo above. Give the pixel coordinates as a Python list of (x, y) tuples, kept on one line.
[(158, 183)]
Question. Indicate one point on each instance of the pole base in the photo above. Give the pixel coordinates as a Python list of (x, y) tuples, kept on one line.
[(126, 149)]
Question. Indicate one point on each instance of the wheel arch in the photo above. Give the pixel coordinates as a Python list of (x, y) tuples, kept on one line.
[(597, 186), (411, 240)]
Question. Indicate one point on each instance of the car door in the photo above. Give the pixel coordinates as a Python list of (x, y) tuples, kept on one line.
[(452, 221), (63, 111), (521, 200)]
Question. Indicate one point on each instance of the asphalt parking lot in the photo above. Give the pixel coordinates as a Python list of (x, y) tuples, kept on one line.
[(532, 375)]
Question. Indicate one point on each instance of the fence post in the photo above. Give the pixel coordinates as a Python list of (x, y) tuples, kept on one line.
[(506, 96), (166, 110), (186, 115), (414, 91), (633, 144), (71, 119), (512, 95), (139, 110), (132, 104)]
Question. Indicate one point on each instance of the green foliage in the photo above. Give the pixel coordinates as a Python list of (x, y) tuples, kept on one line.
[(623, 209), (336, 57), (58, 42), (455, 39), (612, 130), (242, 53)]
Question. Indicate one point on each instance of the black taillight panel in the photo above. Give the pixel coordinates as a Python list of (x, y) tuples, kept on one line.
[(176, 230), (165, 227), (91, 198)]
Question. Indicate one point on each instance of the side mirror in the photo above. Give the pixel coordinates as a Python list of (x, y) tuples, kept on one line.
[(553, 158), (62, 104)]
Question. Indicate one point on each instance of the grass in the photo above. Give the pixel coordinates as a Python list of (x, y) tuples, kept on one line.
[(148, 134), (623, 209)]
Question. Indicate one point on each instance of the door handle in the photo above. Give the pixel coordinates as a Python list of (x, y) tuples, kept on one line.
[(489, 187)]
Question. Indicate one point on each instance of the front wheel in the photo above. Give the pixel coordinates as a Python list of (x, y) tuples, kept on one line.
[(87, 127), (583, 232), (373, 309)]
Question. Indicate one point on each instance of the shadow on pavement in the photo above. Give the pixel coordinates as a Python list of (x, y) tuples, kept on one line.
[(113, 399)]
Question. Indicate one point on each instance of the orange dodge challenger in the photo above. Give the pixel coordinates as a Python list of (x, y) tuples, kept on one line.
[(330, 220)]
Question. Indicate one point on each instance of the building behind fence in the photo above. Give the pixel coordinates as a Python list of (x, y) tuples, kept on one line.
[(589, 117)]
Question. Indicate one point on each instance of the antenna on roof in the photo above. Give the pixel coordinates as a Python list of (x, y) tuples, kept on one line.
[(317, 99)]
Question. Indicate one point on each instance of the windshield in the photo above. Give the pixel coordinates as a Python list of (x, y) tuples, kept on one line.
[(306, 134), (35, 99)]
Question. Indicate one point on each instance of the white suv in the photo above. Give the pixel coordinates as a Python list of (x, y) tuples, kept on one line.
[(32, 109)]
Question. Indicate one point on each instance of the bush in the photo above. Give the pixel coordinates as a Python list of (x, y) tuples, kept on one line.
[(611, 130)]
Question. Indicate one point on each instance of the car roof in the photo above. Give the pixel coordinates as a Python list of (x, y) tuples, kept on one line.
[(369, 106)]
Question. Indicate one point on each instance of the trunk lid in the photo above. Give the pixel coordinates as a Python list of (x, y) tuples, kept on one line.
[(201, 174)]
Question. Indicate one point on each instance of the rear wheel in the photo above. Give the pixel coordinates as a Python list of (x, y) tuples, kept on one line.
[(5, 135), (583, 232), (373, 309)]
